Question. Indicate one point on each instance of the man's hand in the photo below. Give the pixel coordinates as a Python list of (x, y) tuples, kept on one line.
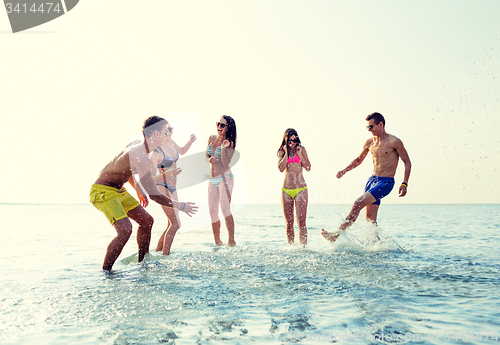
[(341, 173), (143, 199), (402, 190), (189, 208)]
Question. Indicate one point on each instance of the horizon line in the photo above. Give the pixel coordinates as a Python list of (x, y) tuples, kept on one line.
[(428, 203)]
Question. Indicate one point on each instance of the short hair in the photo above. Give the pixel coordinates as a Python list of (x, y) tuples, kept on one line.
[(376, 117), (151, 124)]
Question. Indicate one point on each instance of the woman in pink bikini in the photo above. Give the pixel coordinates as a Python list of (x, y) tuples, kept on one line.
[(292, 157), (220, 151)]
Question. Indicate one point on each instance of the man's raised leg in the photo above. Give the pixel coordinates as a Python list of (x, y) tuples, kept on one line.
[(361, 202)]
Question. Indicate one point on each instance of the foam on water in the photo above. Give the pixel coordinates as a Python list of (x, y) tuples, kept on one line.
[(262, 291)]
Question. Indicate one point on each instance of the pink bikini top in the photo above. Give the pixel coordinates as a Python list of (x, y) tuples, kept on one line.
[(295, 159)]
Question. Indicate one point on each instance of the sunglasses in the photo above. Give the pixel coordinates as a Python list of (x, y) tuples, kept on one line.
[(221, 125), (296, 140), (370, 127), (169, 129)]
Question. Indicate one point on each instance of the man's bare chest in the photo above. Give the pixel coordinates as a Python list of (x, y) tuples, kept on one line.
[(382, 150)]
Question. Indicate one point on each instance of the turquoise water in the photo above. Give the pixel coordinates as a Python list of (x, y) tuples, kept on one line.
[(433, 279)]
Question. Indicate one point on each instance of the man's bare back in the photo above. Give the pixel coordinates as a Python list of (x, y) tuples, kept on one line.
[(118, 171)]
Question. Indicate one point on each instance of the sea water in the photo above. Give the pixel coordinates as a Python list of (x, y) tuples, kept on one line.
[(432, 278)]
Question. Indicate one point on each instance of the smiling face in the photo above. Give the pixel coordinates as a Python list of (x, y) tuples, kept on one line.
[(222, 127), (161, 135), (169, 132), (292, 141)]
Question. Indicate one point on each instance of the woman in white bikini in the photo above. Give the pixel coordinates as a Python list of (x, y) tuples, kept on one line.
[(292, 157), (164, 160), (220, 151)]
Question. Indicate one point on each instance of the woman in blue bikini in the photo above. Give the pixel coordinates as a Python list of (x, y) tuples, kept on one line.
[(292, 157), (164, 160), (220, 151)]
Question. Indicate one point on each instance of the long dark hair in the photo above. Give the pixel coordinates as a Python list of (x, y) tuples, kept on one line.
[(231, 129), (288, 133)]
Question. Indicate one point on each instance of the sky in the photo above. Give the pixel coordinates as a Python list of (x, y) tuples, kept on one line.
[(76, 90)]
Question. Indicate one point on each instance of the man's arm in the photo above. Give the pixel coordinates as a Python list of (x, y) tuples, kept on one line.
[(143, 198), (142, 165), (158, 197), (400, 149), (356, 161)]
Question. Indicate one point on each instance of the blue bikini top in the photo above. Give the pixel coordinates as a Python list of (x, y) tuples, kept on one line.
[(167, 162), (217, 153)]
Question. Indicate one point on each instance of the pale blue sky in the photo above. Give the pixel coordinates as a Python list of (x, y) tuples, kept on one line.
[(74, 91)]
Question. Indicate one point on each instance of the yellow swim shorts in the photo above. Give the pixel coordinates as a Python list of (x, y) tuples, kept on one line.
[(114, 203)]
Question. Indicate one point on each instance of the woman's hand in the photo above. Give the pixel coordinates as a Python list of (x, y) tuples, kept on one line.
[(213, 159), (299, 151), (192, 138), (225, 144), (172, 172)]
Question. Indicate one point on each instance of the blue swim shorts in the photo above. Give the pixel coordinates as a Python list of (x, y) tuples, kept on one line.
[(379, 187)]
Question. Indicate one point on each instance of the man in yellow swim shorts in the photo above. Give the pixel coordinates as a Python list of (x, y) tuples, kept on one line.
[(108, 195)]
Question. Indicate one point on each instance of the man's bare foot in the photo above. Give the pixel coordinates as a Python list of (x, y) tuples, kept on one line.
[(231, 243), (219, 243), (330, 236)]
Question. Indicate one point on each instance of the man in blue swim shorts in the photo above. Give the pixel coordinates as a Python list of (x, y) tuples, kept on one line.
[(386, 150), (379, 187)]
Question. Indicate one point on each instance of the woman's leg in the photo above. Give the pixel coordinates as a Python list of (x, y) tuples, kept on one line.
[(213, 207), (288, 202), (301, 201), (174, 223), (225, 192), (161, 240)]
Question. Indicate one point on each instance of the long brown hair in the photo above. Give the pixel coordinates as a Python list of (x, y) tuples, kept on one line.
[(231, 129), (288, 133)]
